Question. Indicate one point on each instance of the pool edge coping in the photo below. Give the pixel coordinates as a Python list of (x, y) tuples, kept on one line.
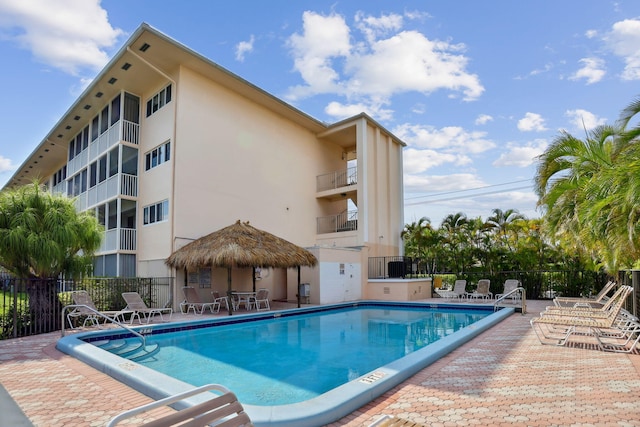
[(320, 410)]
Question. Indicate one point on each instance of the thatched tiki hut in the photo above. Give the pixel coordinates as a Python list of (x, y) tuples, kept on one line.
[(243, 246)]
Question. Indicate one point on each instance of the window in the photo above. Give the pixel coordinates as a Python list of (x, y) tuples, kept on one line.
[(156, 213), (157, 156), (159, 100)]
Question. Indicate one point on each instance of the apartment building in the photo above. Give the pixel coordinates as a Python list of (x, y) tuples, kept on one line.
[(166, 146)]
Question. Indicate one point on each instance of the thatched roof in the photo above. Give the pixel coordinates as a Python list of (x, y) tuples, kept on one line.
[(240, 245)]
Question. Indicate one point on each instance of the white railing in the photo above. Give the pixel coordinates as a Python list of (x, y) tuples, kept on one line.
[(345, 221), (517, 295), (78, 162), (130, 132), (128, 239), (119, 239), (337, 179), (122, 130), (129, 185)]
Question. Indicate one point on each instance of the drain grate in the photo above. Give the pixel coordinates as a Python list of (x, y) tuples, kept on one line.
[(372, 377)]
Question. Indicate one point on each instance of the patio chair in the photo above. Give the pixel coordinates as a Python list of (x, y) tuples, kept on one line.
[(459, 290), (511, 285), (222, 410), (261, 300), (599, 300), (87, 309), (136, 304), (482, 290), (193, 302), (597, 312), (217, 298), (557, 330)]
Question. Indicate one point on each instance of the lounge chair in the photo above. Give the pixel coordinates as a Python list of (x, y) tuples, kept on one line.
[(217, 298), (261, 300), (193, 302), (482, 290), (510, 285), (459, 290), (598, 312), (223, 410), (598, 300), (391, 421), (87, 309), (139, 308), (556, 330)]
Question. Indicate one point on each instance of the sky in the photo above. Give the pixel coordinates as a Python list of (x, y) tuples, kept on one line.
[(476, 89)]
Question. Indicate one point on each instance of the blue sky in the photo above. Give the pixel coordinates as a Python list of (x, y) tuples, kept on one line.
[(477, 89)]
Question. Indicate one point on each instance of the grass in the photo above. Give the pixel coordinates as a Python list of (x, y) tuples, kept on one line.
[(6, 301)]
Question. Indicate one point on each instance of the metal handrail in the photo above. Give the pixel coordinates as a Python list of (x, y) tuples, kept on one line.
[(523, 298), (104, 316)]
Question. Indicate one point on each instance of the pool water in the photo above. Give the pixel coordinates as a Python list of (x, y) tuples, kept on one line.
[(285, 360)]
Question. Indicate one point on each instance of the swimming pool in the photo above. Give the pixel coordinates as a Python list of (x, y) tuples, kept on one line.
[(383, 344)]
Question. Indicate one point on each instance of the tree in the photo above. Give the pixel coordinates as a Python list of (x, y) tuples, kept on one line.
[(42, 237), (571, 190)]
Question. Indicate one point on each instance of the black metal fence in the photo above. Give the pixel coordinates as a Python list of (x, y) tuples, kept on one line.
[(31, 307)]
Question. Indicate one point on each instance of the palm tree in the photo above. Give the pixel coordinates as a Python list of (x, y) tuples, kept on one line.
[(574, 180), (43, 237), (502, 222)]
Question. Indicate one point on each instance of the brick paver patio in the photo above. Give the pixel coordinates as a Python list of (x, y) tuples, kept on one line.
[(502, 377)]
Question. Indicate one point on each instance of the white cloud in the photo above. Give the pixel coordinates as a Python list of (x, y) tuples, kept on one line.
[(6, 165), (521, 155), (591, 34), (373, 28), (417, 161), (66, 34), (386, 62), (483, 119), (583, 119), (531, 122), (323, 38), (623, 40), (243, 48), (450, 139), (440, 183), (341, 111), (593, 70)]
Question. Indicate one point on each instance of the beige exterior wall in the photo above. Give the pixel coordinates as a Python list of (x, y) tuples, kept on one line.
[(238, 153)]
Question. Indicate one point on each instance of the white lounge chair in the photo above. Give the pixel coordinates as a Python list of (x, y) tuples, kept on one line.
[(87, 309), (482, 290), (459, 290), (136, 304), (223, 410), (599, 300), (511, 285), (558, 329), (193, 302)]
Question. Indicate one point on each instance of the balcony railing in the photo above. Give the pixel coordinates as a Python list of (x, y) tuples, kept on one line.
[(337, 179), (123, 239), (345, 221), (122, 130), (118, 185)]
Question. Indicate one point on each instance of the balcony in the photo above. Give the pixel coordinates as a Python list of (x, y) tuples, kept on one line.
[(122, 239), (345, 221), (337, 179), (122, 130), (117, 185)]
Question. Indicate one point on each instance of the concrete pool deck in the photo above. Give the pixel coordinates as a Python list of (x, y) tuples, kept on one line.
[(504, 376)]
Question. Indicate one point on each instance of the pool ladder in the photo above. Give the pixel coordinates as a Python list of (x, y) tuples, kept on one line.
[(520, 291), (105, 317)]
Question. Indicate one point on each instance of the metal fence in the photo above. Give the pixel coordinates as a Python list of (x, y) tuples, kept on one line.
[(31, 307)]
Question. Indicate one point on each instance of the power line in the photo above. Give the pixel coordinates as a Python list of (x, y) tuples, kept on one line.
[(471, 195), (468, 189)]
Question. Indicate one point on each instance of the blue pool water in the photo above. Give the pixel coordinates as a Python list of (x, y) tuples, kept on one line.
[(308, 367), (287, 360)]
